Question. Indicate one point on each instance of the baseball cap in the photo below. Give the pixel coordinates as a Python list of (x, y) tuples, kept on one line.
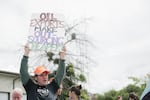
[(40, 69)]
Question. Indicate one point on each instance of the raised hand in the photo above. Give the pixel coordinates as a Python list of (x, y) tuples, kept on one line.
[(26, 50)]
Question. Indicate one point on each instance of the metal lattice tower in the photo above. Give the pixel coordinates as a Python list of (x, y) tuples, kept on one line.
[(78, 48)]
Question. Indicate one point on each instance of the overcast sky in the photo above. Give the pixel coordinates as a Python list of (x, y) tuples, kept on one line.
[(120, 31)]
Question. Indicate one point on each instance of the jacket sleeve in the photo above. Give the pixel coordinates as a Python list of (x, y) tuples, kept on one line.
[(61, 71), (24, 70), (146, 90)]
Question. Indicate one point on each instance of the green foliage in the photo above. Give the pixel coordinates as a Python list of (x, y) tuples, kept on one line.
[(132, 88), (82, 78), (50, 56), (110, 95), (72, 78), (135, 80), (56, 61), (100, 97), (84, 94), (70, 70), (137, 87)]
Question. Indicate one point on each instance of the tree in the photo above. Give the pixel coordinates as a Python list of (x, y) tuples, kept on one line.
[(84, 94), (100, 97), (71, 79), (137, 87)]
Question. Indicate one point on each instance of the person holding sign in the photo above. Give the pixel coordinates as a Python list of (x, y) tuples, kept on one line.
[(40, 88)]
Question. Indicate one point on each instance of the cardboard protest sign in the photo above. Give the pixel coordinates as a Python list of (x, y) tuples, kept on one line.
[(46, 32)]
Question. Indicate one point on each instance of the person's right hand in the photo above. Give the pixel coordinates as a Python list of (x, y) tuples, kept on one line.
[(26, 50)]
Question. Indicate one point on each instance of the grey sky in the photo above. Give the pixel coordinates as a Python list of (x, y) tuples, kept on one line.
[(120, 31)]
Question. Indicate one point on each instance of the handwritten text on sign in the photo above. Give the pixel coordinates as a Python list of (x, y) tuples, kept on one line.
[(46, 32)]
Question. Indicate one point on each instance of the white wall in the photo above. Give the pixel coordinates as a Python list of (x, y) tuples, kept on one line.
[(8, 82)]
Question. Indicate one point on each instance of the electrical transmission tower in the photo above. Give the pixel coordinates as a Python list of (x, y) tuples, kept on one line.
[(77, 47)]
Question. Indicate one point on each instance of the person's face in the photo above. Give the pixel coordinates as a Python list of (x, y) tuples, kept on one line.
[(72, 96), (16, 96), (42, 79), (131, 99)]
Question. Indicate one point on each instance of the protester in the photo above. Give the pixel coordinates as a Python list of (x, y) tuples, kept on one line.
[(133, 96), (74, 92), (146, 93), (17, 94), (40, 88)]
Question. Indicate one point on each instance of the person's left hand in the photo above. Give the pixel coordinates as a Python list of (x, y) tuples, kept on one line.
[(62, 53)]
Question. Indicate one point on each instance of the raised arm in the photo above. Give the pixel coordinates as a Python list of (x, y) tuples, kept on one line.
[(61, 71), (24, 66)]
